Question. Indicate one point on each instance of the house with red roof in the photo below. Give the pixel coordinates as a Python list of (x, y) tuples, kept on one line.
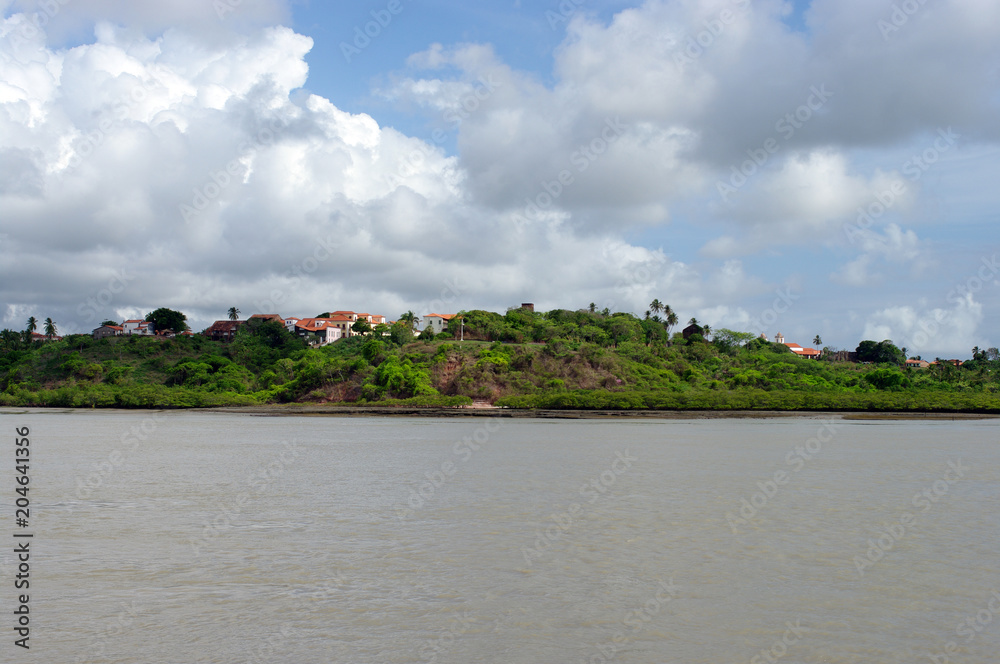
[(139, 327), (263, 318), (438, 322), (345, 319), (223, 330), (319, 331), (106, 331), (808, 353)]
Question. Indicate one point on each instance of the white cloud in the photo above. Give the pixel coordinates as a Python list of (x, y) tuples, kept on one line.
[(169, 106), (920, 328)]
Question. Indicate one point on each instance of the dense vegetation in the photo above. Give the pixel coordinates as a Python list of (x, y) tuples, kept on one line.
[(559, 359)]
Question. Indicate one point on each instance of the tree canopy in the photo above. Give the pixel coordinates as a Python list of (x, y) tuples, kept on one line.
[(880, 352), (167, 319)]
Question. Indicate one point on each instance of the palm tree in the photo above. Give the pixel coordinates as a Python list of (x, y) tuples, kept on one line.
[(50, 328), (411, 318), (234, 313), (693, 321), (647, 314), (593, 307), (670, 318), (817, 340), (705, 330), (32, 324), (656, 306)]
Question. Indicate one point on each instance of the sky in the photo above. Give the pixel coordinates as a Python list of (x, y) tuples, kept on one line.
[(824, 167)]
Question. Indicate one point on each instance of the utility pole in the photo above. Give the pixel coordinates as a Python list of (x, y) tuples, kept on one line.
[(462, 339)]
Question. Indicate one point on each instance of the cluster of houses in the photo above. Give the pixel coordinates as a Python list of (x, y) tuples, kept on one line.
[(320, 331), (316, 331), (136, 327), (338, 325)]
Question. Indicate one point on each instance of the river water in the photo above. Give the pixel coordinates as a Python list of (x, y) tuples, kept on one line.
[(189, 537)]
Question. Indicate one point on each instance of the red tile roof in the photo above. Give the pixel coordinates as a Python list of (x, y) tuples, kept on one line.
[(315, 324), (224, 326), (274, 317)]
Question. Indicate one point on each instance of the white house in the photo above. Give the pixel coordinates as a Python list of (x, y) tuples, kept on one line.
[(139, 327), (437, 322), (318, 331)]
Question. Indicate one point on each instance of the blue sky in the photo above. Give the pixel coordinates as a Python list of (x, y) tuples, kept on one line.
[(479, 156)]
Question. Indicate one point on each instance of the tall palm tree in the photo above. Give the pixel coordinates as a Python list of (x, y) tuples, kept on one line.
[(647, 314), (656, 306), (693, 321), (50, 328), (32, 324), (234, 313), (593, 307), (671, 320), (410, 318), (817, 340)]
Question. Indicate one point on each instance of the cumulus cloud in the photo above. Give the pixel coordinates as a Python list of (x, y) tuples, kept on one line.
[(951, 329), (175, 149), (168, 172)]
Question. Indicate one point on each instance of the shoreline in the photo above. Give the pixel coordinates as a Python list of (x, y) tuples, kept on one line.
[(292, 410)]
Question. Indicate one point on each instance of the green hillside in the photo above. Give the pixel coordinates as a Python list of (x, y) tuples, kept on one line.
[(558, 359)]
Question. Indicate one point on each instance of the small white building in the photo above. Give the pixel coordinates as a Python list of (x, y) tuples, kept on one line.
[(139, 327), (437, 322)]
